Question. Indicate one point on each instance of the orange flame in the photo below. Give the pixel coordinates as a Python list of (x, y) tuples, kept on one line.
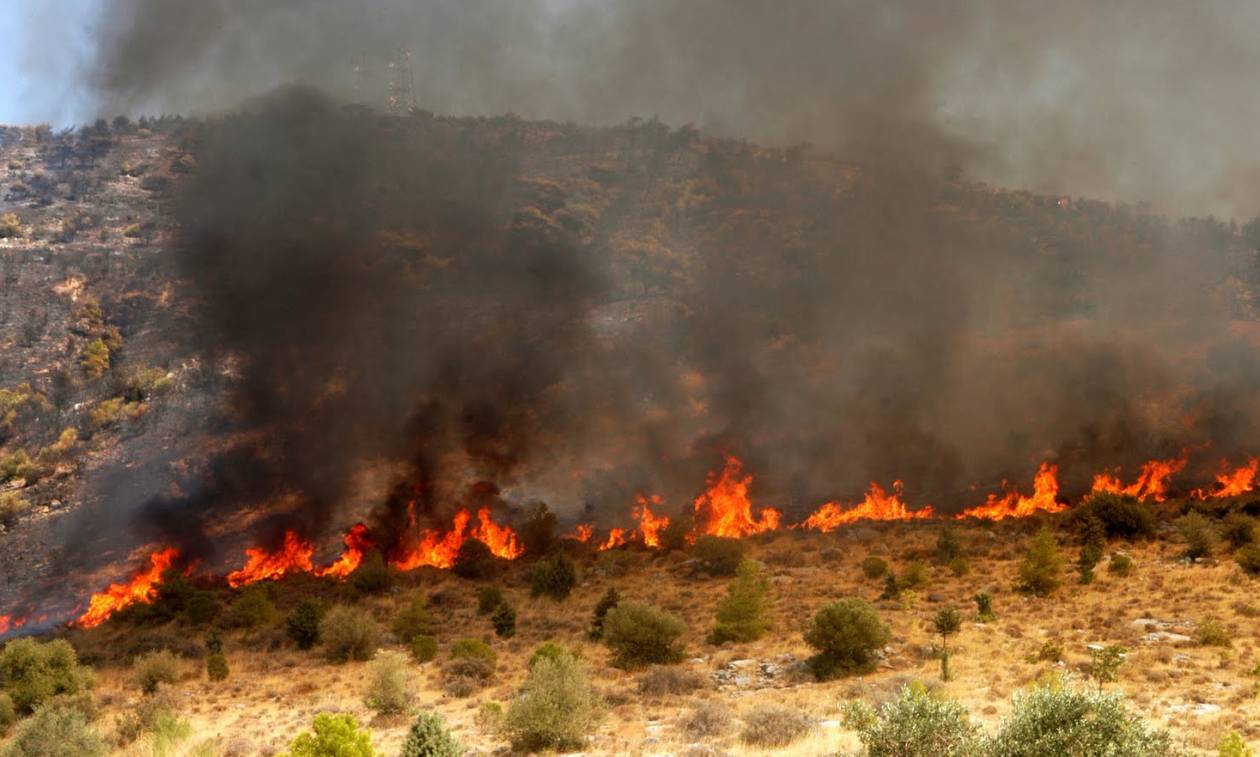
[(439, 550), (616, 538), (1152, 483), (581, 532), (650, 524), (1013, 505), (1238, 481), (877, 505), (7, 623), (294, 556), (357, 542), (141, 588), (725, 510)]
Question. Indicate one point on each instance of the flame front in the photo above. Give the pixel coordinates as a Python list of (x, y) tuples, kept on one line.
[(1151, 483), (294, 556), (582, 532), (616, 538), (439, 550), (877, 505), (141, 588), (650, 524), (358, 543), (725, 510), (1014, 505), (1232, 483)]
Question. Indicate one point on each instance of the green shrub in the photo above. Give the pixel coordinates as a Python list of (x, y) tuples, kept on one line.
[(556, 709), (639, 634), (915, 576), (1120, 564), (414, 620), (948, 546), (8, 713), (554, 577), (718, 555), (960, 566), (214, 641), (984, 607), (847, 634), (34, 673), (670, 681), (302, 624), (489, 719), (156, 668), (774, 726), (348, 634), (1042, 568), (216, 667), (488, 598), (10, 225), (743, 614), (1199, 534), (707, 720), (475, 561), (473, 649), (470, 667), (95, 359), (608, 601), (12, 506), (892, 588), (1055, 718), (423, 647), (549, 650), (1212, 633), (388, 688), (428, 737), (1248, 558), (916, 722), (1239, 530), (504, 621), (115, 410), (1122, 516), (946, 623), (202, 608), (144, 382), (1105, 662), (874, 567), (372, 576), (330, 735), (55, 732), (538, 533), (252, 608), (18, 464), (1233, 745)]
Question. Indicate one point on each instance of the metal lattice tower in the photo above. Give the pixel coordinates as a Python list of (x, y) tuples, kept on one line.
[(401, 95)]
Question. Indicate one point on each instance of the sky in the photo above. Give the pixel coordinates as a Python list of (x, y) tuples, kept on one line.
[(38, 86)]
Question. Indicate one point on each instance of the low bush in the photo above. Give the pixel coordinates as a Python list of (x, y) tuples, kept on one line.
[(302, 624), (489, 719), (553, 577), (549, 650), (429, 737), (1233, 745), (473, 649), (639, 634), (1199, 534), (1213, 633), (707, 720), (674, 535), (156, 668), (475, 561), (874, 567), (916, 722), (743, 615), (915, 576), (423, 647), (504, 621), (1041, 571), (948, 546), (718, 556), (34, 672), (984, 607), (1120, 564), (333, 734), (8, 714), (669, 681), (202, 608), (372, 576), (960, 566), (1056, 718), (1238, 530), (55, 732), (414, 619), (774, 726), (1122, 516), (252, 608), (12, 507), (348, 634), (608, 601), (556, 709), (488, 598), (216, 667), (847, 634), (1248, 558), (538, 533), (471, 666), (388, 689)]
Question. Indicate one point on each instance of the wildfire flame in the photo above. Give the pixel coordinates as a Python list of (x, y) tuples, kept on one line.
[(294, 556), (7, 623), (616, 538), (141, 588), (439, 550), (650, 524), (581, 532), (357, 542), (1238, 481), (725, 510), (877, 505), (1014, 505), (1151, 483)]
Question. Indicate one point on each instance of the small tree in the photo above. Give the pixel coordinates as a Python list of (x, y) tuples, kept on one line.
[(1199, 534), (538, 534), (414, 620), (373, 575), (504, 621), (156, 668), (1042, 567), (1093, 544), (847, 634), (984, 607), (333, 735), (948, 546), (1105, 662), (556, 709), (348, 634), (488, 598), (429, 737), (302, 625), (388, 689), (34, 673), (639, 634), (743, 614), (554, 577), (216, 667), (947, 623), (423, 648), (606, 603)]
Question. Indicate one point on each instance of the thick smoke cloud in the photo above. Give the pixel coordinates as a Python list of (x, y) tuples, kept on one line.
[(1132, 100)]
